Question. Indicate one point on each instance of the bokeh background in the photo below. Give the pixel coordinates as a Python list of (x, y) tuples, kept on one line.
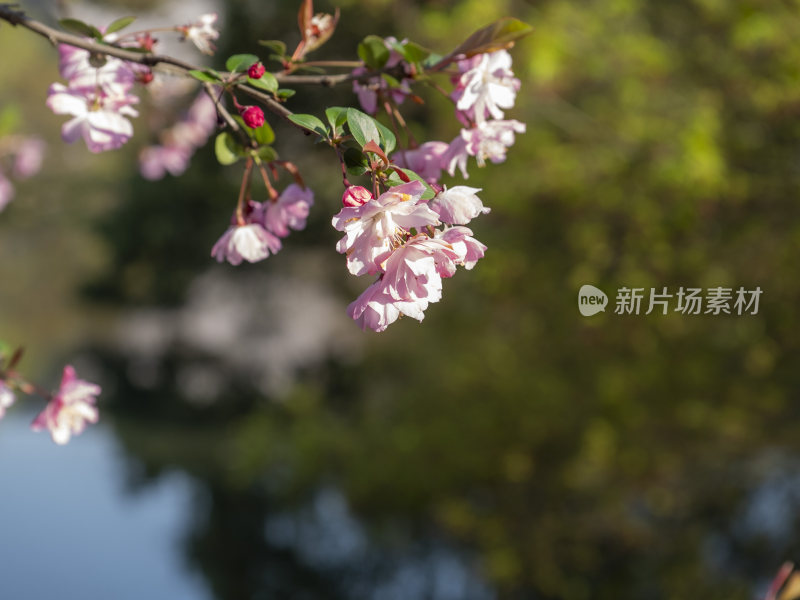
[(255, 444)]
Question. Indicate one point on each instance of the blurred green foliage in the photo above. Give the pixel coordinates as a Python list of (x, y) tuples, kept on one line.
[(581, 458)]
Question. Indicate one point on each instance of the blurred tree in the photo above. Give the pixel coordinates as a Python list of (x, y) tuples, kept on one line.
[(606, 457)]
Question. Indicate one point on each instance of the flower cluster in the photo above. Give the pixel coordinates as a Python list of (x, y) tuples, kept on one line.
[(97, 95), (179, 142), (256, 229), (26, 155), (395, 237), (484, 86)]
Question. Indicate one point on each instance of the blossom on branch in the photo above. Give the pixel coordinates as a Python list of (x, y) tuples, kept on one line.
[(70, 409), (113, 76), (246, 238), (488, 140), (425, 161), (486, 86), (97, 117), (458, 205), (250, 242), (202, 33), (468, 249), (179, 142), (289, 210)]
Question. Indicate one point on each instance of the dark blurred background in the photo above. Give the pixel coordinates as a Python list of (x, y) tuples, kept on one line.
[(507, 447)]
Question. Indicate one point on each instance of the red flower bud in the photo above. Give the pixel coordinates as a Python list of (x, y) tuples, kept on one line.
[(355, 195), (253, 116), (145, 77), (146, 41), (256, 71)]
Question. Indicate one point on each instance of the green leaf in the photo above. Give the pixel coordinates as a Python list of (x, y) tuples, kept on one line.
[(267, 153), (81, 28), (286, 93), (311, 123), (362, 126), (355, 161), (388, 141), (373, 51), (411, 51), (426, 195), (337, 117), (277, 46), (119, 24), (227, 149), (239, 63), (392, 81), (432, 59), (207, 76), (262, 135), (267, 82), (498, 35)]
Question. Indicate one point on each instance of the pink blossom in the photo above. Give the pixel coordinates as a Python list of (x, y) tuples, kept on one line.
[(180, 141), (70, 409), (378, 225), (468, 249), (458, 205), (114, 77), (202, 33), (253, 116), (414, 271), (250, 242), (98, 117), (486, 86), (425, 161), (374, 308), (28, 159), (6, 398), (374, 87), (289, 210), (6, 191), (488, 140), (356, 195), (157, 161), (413, 279)]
